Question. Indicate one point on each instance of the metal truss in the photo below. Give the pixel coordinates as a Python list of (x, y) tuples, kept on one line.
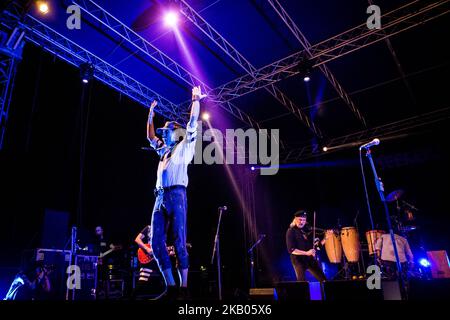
[(55, 43), (11, 46), (7, 75), (396, 21), (237, 57), (118, 28), (388, 131), (325, 70), (404, 18)]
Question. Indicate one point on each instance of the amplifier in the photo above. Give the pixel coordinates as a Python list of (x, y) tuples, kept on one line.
[(55, 259), (88, 277)]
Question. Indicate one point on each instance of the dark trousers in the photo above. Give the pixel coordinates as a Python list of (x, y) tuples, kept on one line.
[(309, 264), (169, 218), (389, 269)]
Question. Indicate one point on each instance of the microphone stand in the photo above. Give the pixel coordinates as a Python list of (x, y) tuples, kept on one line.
[(72, 257), (355, 222), (252, 261), (216, 252), (314, 235), (380, 188)]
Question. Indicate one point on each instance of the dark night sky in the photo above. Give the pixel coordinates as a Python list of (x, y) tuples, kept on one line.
[(40, 169)]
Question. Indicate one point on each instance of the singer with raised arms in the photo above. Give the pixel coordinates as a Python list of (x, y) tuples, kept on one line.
[(175, 150), (301, 247)]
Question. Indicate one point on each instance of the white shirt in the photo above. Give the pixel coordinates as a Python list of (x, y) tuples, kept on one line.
[(387, 249), (172, 169)]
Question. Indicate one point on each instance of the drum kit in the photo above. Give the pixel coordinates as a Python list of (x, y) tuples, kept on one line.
[(343, 244), (405, 219)]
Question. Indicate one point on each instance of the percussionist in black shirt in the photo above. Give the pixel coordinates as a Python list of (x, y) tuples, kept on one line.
[(300, 245)]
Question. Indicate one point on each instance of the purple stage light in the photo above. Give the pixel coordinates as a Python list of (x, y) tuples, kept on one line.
[(171, 19)]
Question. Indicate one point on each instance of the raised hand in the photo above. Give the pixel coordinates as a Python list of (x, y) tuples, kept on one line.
[(151, 112), (197, 93), (153, 105)]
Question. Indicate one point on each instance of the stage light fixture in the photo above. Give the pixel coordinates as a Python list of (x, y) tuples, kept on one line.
[(252, 168), (325, 149), (43, 7), (86, 72), (424, 263), (304, 68), (205, 116), (171, 19)]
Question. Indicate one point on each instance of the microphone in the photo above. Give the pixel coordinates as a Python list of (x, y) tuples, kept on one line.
[(224, 208), (374, 142)]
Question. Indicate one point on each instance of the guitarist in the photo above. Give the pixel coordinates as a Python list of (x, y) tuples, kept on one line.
[(102, 243), (103, 248), (143, 241)]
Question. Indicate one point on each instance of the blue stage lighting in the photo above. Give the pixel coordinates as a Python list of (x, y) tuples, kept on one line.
[(424, 262)]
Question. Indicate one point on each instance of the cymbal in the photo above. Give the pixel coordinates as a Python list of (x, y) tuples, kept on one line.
[(395, 195), (408, 228)]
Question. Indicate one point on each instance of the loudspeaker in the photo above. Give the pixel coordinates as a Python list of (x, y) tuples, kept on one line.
[(293, 291), (434, 289), (439, 264), (263, 294), (350, 290), (54, 229)]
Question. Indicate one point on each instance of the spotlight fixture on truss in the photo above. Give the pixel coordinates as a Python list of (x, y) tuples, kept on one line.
[(304, 68), (86, 72)]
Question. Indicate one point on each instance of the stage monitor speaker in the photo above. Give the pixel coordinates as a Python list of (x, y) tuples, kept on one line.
[(293, 291), (440, 267), (263, 294), (55, 229), (434, 289), (350, 290), (203, 284)]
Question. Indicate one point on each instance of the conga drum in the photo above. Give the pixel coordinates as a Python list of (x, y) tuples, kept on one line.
[(333, 247), (372, 236), (350, 243)]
